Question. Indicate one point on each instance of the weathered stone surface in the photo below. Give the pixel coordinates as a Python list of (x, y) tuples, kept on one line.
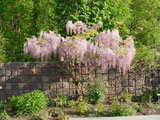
[(9, 86), (18, 78), (2, 79)]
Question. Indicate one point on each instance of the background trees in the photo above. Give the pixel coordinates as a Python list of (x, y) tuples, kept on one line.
[(113, 13), (21, 19), (145, 27)]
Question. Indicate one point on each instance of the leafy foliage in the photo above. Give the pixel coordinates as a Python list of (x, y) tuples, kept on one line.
[(145, 28), (100, 109), (22, 19), (96, 92), (121, 109), (29, 103), (140, 108), (126, 97), (2, 48), (4, 115), (62, 100), (110, 12), (2, 106), (82, 107)]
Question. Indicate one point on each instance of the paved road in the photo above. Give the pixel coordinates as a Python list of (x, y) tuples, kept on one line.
[(152, 117)]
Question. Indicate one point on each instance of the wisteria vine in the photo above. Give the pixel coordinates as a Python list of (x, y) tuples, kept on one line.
[(106, 49)]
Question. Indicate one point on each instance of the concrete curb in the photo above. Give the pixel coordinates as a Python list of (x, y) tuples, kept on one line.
[(151, 117)]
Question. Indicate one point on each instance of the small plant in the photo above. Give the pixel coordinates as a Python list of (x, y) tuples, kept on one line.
[(62, 100), (100, 109), (82, 106), (72, 103), (62, 116), (4, 115), (126, 97), (144, 99), (121, 110), (154, 94), (96, 92), (150, 97), (59, 113), (140, 108), (29, 103)]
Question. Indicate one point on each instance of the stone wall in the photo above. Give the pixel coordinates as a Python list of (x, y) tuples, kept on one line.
[(19, 78)]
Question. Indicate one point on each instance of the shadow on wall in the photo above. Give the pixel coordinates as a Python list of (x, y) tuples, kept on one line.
[(19, 78)]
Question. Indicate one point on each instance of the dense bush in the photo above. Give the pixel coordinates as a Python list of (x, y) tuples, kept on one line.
[(96, 91), (29, 103)]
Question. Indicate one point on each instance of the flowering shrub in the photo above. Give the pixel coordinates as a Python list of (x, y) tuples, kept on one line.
[(106, 49)]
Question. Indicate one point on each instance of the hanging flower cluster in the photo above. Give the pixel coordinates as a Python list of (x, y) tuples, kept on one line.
[(43, 46), (106, 49)]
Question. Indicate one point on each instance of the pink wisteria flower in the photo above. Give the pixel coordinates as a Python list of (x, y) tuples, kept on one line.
[(107, 49)]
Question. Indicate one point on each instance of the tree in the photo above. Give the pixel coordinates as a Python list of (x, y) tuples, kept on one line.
[(113, 13), (145, 27), (21, 19), (106, 49)]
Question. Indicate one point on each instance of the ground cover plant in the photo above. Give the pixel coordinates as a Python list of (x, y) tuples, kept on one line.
[(76, 107)]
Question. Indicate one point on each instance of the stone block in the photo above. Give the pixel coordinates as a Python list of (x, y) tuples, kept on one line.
[(2, 65), (36, 79), (7, 65), (45, 86), (26, 71), (2, 79), (27, 86), (45, 71), (9, 86), (65, 91), (51, 71), (59, 85), (14, 65), (8, 72), (2, 72), (32, 71), (20, 72), (40, 86), (45, 78), (14, 72), (21, 85), (14, 86), (38, 71), (65, 85), (53, 86), (28, 79)]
